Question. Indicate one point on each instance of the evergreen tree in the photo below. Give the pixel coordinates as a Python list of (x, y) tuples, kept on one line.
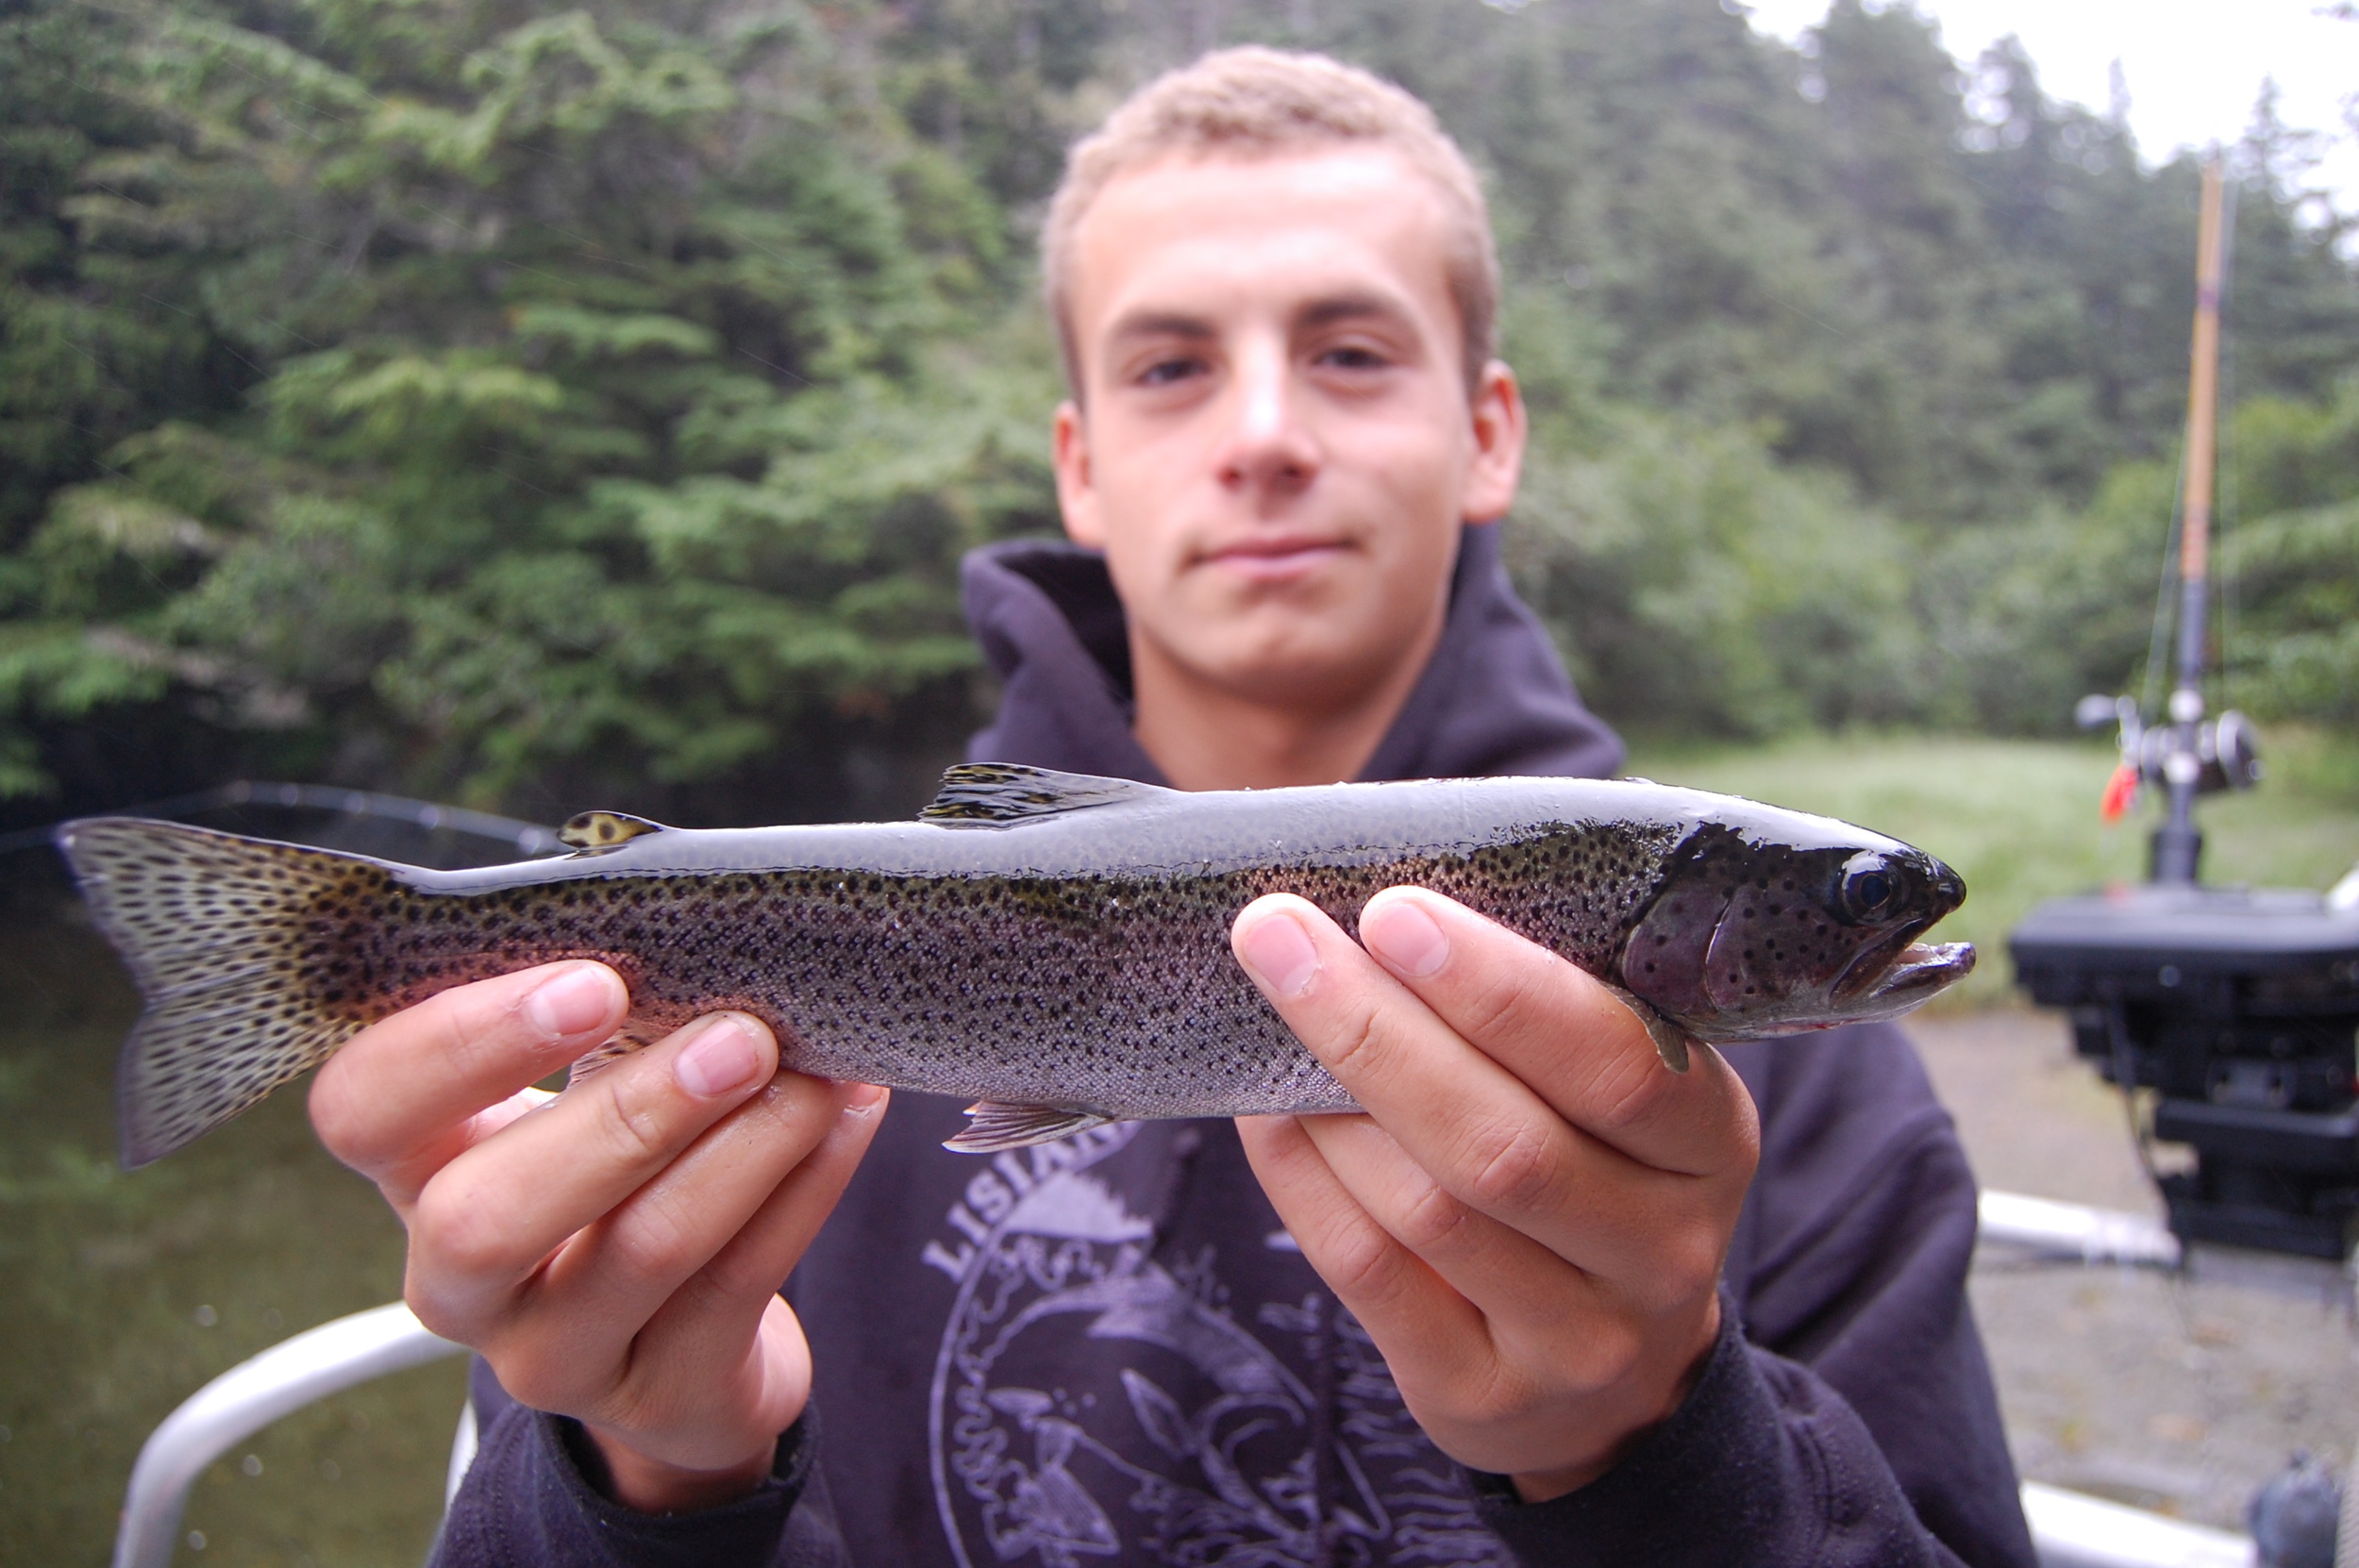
[(2291, 562), (591, 448), (94, 347), (541, 407)]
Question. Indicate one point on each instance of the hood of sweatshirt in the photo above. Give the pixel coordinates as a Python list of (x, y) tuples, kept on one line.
[(1493, 699)]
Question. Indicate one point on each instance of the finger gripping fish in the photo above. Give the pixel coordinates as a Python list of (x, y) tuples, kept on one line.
[(1052, 945)]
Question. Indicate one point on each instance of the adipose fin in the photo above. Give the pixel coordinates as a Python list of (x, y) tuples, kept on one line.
[(595, 832)]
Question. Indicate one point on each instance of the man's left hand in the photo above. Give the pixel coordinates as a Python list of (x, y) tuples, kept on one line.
[(1531, 1220)]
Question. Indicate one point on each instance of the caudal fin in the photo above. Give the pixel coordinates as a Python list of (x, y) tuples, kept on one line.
[(212, 926)]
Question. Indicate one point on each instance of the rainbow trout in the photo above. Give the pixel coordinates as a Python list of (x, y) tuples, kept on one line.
[(1052, 945)]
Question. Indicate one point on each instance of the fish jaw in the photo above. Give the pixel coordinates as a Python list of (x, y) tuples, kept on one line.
[(1921, 970)]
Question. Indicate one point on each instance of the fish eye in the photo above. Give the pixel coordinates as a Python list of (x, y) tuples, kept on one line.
[(1870, 890)]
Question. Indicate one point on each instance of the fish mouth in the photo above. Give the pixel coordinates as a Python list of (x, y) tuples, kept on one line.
[(1895, 976), (1916, 971)]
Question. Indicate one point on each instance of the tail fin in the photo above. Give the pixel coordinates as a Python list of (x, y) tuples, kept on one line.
[(212, 926)]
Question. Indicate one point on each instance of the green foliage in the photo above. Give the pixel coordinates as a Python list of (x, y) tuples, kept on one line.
[(93, 346), (535, 407), (1000, 86), (1700, 589), (2036, 612), (2293, 568), (597, 427), (2024, 617)]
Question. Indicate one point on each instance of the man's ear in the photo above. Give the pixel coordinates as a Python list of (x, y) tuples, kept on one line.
[(1076, 492), (1499, 428)]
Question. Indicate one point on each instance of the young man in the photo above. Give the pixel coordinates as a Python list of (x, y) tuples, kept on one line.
[(1532, 1307)]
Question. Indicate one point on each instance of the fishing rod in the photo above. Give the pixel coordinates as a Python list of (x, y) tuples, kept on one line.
[(2178, 843), (529, 839), (2235, 1006), (2188, 755)]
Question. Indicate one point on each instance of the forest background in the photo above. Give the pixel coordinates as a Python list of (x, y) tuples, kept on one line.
[(536, 409)]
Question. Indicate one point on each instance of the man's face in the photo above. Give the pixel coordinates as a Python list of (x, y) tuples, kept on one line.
[(1276, 445)]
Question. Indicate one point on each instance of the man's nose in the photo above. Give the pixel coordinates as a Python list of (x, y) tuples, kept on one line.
[(1268, 442)]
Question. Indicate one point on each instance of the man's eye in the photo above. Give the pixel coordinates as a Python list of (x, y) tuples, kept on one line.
[(1353, 357), (1163, 373)]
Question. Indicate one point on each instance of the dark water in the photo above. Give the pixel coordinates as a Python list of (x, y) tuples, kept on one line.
[(120, 1293)]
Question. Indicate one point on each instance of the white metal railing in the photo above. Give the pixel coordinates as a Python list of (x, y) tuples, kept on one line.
[(2072, 1231), (2070, 1529), (248, 1397)]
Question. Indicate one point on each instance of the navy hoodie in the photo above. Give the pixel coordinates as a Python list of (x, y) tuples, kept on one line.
[(1107, 1349)]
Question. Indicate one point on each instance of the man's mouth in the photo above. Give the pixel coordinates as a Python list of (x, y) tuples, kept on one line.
[(1276, 557)]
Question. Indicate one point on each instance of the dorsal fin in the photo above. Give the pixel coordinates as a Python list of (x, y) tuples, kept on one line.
[(595, 832), (994, 794)]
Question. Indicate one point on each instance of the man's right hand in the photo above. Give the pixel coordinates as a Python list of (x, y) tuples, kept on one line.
[(615, 1252)]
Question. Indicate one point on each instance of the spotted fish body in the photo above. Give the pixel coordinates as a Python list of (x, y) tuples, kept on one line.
[(1053, 945)]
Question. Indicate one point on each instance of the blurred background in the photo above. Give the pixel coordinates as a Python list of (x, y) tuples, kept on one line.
[(534, 410)]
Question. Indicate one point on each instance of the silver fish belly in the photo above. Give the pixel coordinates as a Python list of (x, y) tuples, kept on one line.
[(1052, 945)]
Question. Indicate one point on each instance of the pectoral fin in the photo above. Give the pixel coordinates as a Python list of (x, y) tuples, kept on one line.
[(1671, 1042), (993, 1126)]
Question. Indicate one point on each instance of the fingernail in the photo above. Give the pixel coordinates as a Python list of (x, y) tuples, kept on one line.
[(1279, 953), (721, 1060), (1405, 937), (575, 1002), (861, 1096)]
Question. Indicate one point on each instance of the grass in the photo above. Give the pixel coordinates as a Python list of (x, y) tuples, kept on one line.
[(2018, 818)]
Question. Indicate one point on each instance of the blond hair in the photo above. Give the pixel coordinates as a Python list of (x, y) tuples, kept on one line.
[(1254, 102)]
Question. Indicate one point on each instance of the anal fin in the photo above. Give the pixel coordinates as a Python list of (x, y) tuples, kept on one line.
[(1671, 1042), (993, 1126)]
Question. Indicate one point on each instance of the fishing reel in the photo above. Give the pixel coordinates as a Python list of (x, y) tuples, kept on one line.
[(2213, 755)]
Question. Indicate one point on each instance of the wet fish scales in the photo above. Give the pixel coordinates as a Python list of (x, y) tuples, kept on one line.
[(1111, 991), (1053, 944)]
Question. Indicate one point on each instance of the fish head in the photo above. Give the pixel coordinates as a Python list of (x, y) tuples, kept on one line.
[(1753, 933)]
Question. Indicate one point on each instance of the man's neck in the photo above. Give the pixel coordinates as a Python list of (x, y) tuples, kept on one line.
[(1206, 738)]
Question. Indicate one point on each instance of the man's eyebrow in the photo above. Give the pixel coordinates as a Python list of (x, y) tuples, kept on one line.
[(1160, 323), (1342, 308)]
